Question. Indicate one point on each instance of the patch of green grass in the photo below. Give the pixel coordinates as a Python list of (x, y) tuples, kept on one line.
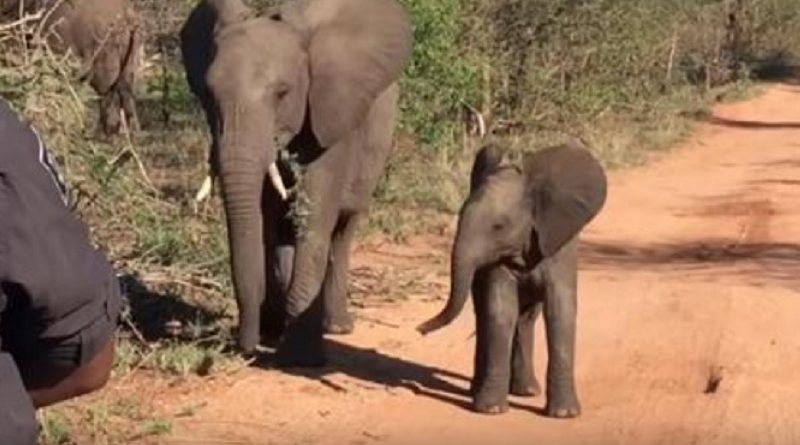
[(56, 428), (102, 421), (185, 359), (156, 427)]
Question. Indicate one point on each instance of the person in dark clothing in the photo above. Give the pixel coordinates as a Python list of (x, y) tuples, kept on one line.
[(59, 297)]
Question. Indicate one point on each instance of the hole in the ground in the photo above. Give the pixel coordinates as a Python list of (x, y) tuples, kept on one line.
[(714, 380)]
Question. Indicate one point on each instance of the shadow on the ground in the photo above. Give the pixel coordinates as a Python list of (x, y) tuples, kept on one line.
[(753, 125), (783, 181), (784, 163), (150, 311), (759, 264), (371, 365)]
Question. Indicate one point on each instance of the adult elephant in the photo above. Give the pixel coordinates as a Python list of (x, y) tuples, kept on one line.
[(316, 79), (516, 248), (104, 35)]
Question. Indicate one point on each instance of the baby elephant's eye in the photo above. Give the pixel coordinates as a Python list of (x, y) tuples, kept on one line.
[(282, 93), (498, 226)]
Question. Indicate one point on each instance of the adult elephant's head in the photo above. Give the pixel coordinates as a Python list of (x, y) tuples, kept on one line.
[(315, 64), (520, 216)]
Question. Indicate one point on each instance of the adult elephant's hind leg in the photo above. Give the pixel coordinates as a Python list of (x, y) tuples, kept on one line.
[(103, 78), (337, 318), (127, 78), (110, 122), (128, 102), (523, 377), (499, 307)]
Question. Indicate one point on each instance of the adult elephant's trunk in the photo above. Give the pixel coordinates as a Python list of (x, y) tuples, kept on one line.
[(242, 183), (246, 159), (462, 273)]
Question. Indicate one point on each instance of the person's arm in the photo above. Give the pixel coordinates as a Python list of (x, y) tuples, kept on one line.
[(82, 380), (17, 419)]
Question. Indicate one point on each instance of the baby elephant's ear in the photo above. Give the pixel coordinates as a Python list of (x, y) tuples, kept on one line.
[(567, 187), (487, 160)]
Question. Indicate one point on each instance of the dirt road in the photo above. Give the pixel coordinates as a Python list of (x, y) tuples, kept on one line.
[(691, 275)]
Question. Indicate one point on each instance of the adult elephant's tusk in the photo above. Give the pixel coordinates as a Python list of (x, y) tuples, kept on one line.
[(277, 181), (204, 191)]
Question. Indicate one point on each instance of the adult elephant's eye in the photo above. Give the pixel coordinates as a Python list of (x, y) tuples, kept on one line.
[(497, 227)]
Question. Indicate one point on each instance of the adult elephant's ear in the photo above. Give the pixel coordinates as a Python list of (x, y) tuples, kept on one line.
[(567, 187), (357, 49)]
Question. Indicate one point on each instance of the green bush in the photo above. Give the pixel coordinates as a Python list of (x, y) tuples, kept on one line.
[(440, 77)]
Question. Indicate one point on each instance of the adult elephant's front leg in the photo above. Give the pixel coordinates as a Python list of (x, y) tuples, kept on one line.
[(337, 318), (560, 312), (323, 183)]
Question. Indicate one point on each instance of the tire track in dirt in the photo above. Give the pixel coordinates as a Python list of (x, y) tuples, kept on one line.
[(690, 274)]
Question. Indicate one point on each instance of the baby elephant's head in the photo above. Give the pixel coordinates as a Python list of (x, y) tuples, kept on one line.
[(520, 214)]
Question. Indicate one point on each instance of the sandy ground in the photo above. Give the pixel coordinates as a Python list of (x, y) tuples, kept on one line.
[(690, 275)]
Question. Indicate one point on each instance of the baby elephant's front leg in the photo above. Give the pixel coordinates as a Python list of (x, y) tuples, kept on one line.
[(497, 311), (560, 311)]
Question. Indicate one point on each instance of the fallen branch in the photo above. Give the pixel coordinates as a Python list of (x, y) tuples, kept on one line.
[(129, 142), (28, 18)]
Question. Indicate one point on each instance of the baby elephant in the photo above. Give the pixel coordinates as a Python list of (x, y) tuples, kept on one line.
[(517, 250)]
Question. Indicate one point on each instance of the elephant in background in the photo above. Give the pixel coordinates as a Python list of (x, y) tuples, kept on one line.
[(103, 34), (516, 249), (307, 86)]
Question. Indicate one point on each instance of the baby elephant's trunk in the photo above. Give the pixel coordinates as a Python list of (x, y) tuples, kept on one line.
[(462, 274)]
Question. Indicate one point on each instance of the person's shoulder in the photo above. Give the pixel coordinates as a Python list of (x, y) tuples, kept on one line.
[(9, 119), (14, 134)]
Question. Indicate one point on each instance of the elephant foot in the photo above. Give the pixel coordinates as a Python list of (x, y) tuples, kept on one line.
[(563, 408), (339, 328), (490, 402), (525, 387), (247, 354), (490, 408), (339, 324), (524, 383)]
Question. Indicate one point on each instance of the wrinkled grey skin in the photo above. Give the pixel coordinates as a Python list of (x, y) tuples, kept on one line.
[(103, 34), (516, 250), (316, 79)]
